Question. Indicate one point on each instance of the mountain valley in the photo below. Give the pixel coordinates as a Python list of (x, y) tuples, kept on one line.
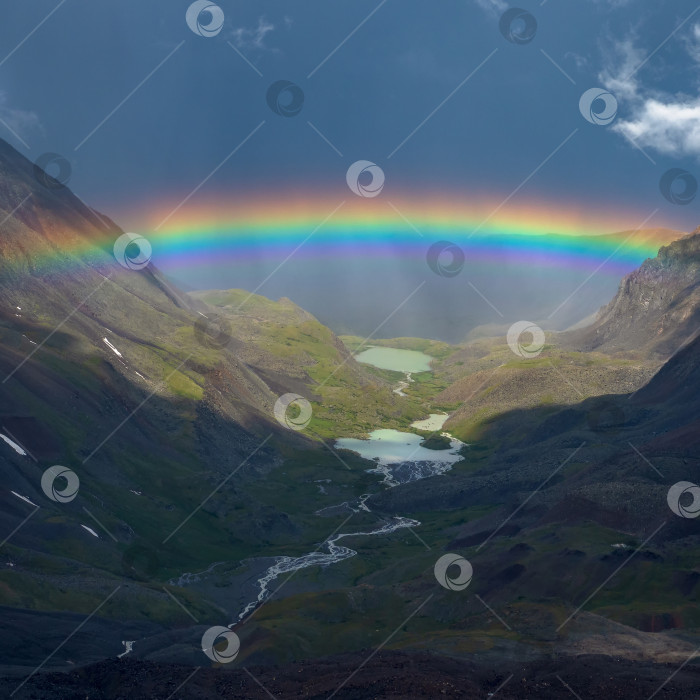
[(164, 403)]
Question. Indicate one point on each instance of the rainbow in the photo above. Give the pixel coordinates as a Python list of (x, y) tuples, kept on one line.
[(222, 231)]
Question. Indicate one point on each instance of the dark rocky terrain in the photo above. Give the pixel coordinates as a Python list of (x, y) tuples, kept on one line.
[(387, 675)]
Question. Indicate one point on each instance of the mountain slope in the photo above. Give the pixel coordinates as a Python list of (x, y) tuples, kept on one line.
[(164, 413), (656, 308), (281, 340), (562, 509), (655, 311)]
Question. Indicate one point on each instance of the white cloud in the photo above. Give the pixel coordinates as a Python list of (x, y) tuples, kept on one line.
[(614, 3), (691, 42), (18, 122), (580, 61), (245, 38), (493, 7), (672, 128), (666, 123), (621, 78)]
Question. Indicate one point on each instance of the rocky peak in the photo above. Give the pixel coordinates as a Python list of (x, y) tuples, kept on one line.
[(656, 308)]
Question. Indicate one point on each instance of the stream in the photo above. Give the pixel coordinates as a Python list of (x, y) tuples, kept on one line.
[(399, 459), (336, 553)]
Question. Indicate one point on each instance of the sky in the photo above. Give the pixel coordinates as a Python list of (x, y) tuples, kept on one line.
[(150, 113)]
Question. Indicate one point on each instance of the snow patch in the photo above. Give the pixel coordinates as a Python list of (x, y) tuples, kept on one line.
[(91, 531), (13, 445), (111, 347), (24, 498), (128, 646)]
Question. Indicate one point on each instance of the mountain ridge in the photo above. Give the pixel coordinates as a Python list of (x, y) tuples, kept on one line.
[(656, 307)]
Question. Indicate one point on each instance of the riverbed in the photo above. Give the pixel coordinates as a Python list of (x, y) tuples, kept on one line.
[(399, 459)]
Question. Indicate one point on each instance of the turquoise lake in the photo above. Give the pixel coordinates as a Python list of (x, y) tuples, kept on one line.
[(393, 358), (388, 446)]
